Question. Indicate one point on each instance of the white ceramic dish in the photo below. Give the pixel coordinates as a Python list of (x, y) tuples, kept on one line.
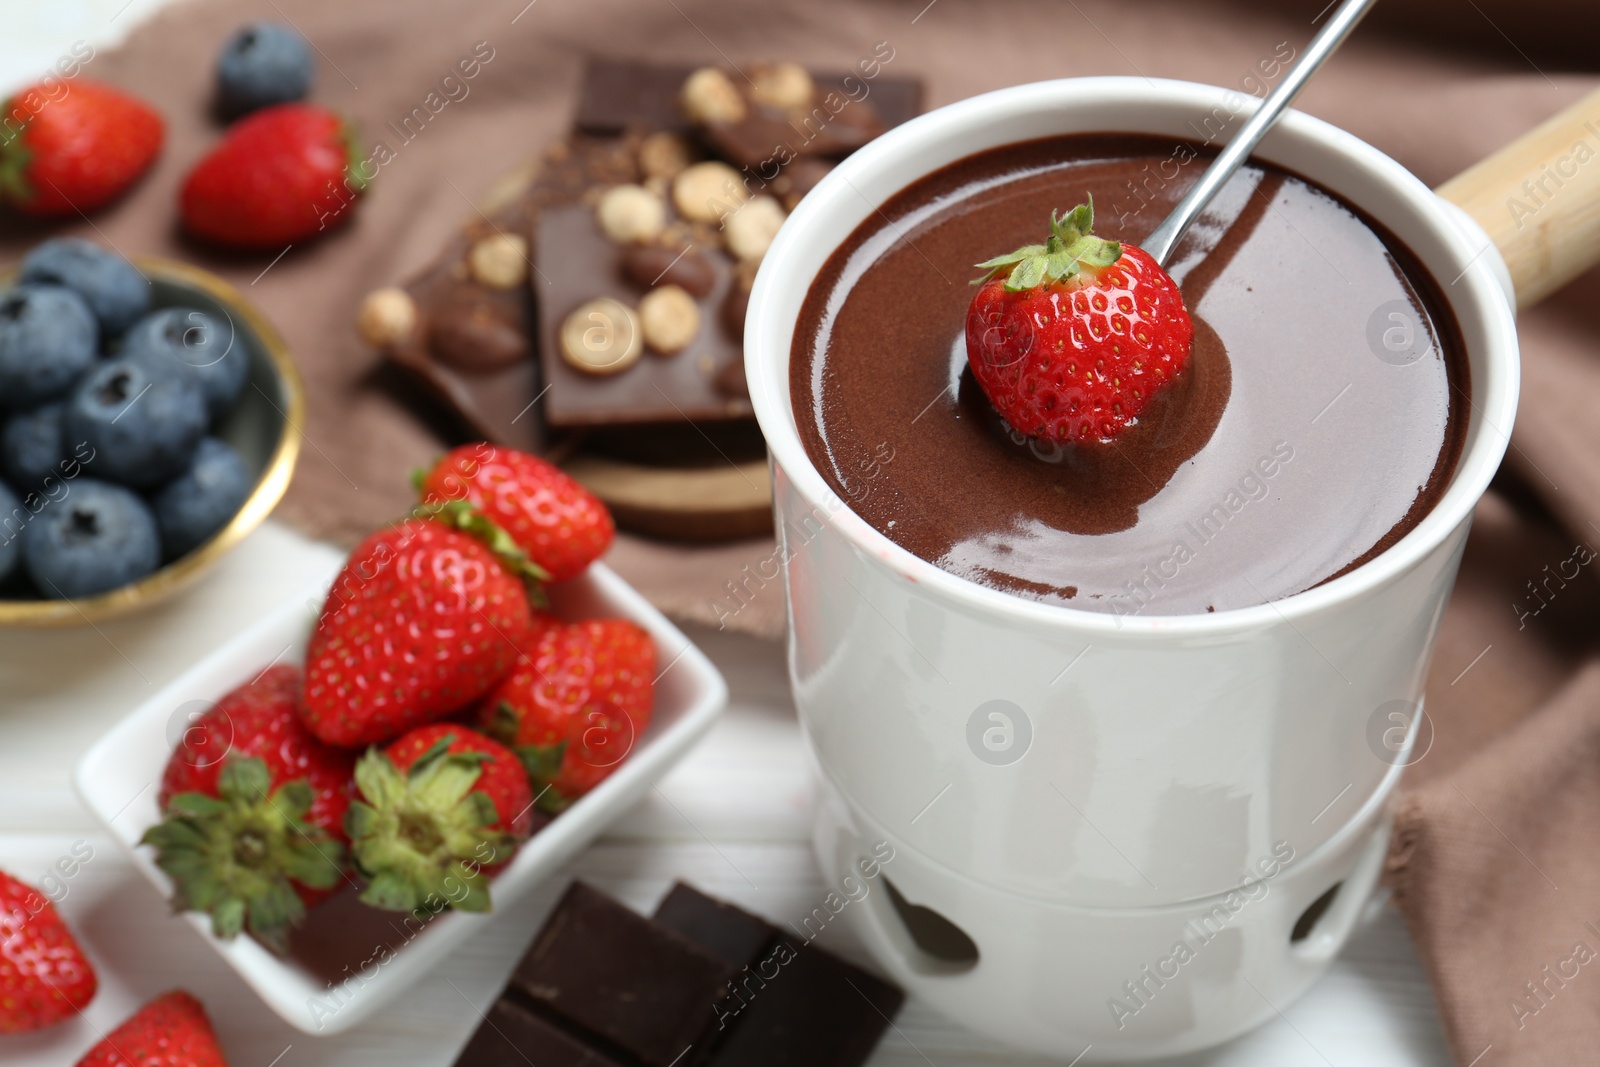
[(1148, 764), (353, 959)]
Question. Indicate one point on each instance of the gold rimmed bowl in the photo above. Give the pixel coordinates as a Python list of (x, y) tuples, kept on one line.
[(264, 427)]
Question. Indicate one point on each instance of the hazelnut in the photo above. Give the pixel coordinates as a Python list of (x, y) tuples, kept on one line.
[(663, 155), (705, 192), (500, 261), (470, 331), (782, 85), (670, 319), (708, 95), (650, 265), (750, 230), (601, 337), (386, 318), (630, 213)]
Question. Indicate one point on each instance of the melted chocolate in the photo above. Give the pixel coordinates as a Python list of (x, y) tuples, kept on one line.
[(1320, 418)]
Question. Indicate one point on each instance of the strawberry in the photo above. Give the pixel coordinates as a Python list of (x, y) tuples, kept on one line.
[(170, 1031), (68, 154), (1070, 339), (254, 805), (282, 175), (440, 807), (572, 707), (560, 525), (44, 976), (422, 621)]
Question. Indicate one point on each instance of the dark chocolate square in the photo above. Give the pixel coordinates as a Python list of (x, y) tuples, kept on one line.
[(619, 94), (513, 1036), (581, 264), (599, 967), (803, 1008), (731, 934)]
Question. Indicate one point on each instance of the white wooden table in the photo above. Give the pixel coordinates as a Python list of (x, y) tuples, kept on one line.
[(732, 819)]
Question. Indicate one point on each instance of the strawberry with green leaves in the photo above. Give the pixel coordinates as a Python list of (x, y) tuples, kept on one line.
[(253, 805), (170, 1031), (1071, 339), (572, 708), (560, 525), (422, 621), (44, 976), (439, 809), (70, 147), (280, 176)]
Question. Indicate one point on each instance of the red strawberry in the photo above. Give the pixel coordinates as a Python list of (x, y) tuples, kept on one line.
[(170, 1031), (284, 174), (1070, 339), (44, 977), (254, 804), (422, 621), (560, 525), (67, 154), (439, 807), (573, 706)]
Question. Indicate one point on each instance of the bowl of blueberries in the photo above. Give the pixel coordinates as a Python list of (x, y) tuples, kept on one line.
[(149, 420)]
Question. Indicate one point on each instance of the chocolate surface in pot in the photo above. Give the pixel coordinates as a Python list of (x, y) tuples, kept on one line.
[(1320, 417)]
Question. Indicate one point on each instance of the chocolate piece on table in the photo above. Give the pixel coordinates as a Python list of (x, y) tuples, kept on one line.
[(582, 265), (603, 969), (731, 934), (803, 1007), (463, 348), (621, 94), (513, 1036)]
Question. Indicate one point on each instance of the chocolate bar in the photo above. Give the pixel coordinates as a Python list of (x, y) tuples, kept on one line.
[(466, 339), (703, 984), (513, 1036), (606, 970), (732, 935), (694, 383)]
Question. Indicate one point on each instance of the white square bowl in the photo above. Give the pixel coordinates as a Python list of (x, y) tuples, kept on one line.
[(352, 960)]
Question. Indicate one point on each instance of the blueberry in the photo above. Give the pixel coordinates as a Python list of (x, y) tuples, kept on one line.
[(142, 426), (13, 520), (195, 343), (201, 500), (47, 339), (31, 447), (262, 63), (95, 538), (112, 287)]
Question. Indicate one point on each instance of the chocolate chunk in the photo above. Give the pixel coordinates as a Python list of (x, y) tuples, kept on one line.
[(602, 968), (731, 934), (733, 309), (650, 265), (582, 265), (474, 334), (512, 1036), (798, 179), (620, 94), (731, 381), (773, 1017)]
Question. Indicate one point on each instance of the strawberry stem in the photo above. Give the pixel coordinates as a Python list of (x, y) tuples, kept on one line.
[(240, 855), (1069, 249), (423, 838)]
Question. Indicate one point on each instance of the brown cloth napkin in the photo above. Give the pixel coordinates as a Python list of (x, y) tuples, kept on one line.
[(1494, 865)]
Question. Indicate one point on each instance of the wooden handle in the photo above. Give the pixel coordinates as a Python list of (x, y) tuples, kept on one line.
[(1539, 200)]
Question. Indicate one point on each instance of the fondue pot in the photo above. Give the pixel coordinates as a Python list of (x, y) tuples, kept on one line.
[(1145, 834)]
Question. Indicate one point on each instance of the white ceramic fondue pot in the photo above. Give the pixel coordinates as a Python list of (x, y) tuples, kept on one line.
[(1144, 834)]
